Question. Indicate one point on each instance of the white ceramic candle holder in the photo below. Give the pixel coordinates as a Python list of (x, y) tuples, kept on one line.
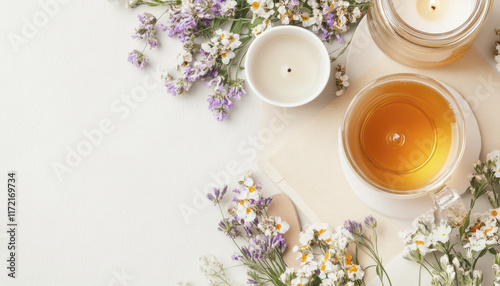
[(287, 66)]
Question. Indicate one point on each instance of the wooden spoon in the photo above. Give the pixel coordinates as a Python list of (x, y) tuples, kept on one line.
[(282, 206)]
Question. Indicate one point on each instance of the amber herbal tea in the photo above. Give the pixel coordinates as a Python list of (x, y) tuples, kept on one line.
[(401, 135)]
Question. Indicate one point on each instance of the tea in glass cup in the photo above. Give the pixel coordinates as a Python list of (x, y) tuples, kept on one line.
[(404, 135)]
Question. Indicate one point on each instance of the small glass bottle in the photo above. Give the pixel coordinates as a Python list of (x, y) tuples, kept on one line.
[(412, 47)]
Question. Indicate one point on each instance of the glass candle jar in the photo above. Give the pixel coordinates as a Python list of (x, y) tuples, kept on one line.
[(426, 33)]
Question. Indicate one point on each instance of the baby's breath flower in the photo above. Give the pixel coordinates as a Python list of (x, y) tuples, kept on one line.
[(341, 80), (213, 270)]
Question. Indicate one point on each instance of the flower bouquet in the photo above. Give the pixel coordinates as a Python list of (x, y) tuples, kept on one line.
[(324, 254), (330, 256), (214, 34)]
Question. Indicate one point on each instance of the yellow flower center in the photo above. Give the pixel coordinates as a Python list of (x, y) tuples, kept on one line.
[(329, 240), (305, 18), (242, 202), (486, 231), (494, 213), (223, 55), (278, 226), (321, 231), (347, 259), (304, 258), (231, 38), (222, 36), (327, 255), (419, 242), (323, 267), (249, 210), (255, 5), (353, 269), (251, 189)]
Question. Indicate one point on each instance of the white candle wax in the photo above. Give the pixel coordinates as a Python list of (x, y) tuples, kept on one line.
[(288, 68), (434, 16)]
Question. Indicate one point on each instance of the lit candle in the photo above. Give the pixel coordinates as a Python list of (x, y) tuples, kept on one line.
[(435, 16), (287, 66)]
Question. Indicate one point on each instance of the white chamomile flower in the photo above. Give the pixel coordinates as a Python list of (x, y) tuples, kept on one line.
[(356, 12), (307, 20), (246, 213), (495, 155), (324, 231), (281, 225), (476, 243), (246, 179), (305, 237), (305, 257), (355, 272), (259, 29), (441, 233), (261, 8), (209, 48), (495, 213), (227, 56), (421, 244), (229, 7)]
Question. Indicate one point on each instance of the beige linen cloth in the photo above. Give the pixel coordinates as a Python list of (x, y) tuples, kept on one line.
[(307, 166)]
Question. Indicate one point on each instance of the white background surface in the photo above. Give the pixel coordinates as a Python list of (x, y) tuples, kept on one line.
[(118, 211), (117, 217)]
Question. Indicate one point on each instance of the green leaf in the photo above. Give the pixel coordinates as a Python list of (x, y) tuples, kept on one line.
[(256, 22), (245, 41), (219, 22), (236, 27), (482, 253), (493, 251)]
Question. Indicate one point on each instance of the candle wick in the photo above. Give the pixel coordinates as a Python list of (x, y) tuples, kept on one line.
[(433, 7), (289, 70)]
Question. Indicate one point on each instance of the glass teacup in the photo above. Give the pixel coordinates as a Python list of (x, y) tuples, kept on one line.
[(404, 135)]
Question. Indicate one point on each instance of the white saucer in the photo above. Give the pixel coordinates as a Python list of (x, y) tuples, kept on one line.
[(410, 208), (362, 54)]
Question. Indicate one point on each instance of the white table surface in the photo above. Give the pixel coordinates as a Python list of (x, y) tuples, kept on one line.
[(116, 218), (131, 212)]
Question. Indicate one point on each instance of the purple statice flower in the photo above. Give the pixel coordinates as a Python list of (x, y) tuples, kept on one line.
[(236, 90), (181, 24), (250, 281), (206, 66), (217, 195), (220, 114), (184, 23), (261, 248), (236, 257), (217, 7), (138, 59), (339, 39), (248, 228), (146, 30), (217, 84), (353, 227), (229, 228), (178, 87), (370, 222)]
